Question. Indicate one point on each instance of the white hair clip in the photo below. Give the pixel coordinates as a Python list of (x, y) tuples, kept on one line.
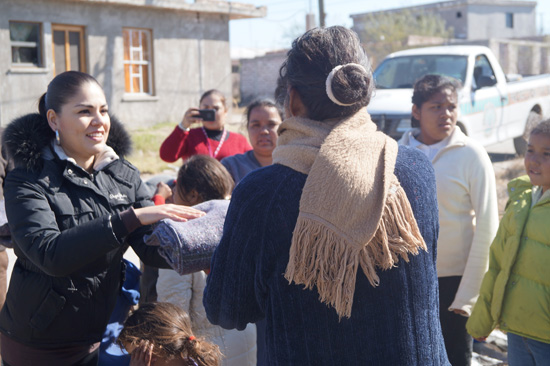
[(328, 83)]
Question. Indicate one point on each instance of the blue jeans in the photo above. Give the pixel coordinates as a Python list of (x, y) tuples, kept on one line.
[(524, 351)]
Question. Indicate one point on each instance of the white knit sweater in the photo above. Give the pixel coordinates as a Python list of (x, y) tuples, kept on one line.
[(468, 213), (238, 347)]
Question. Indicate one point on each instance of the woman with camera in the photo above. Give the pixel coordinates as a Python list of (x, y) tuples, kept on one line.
[(212, 138)]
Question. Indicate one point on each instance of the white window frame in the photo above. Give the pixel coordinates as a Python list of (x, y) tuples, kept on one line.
[(37, 45), (140, 60)]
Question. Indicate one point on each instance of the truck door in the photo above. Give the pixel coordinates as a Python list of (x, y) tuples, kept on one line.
[(485, 111)]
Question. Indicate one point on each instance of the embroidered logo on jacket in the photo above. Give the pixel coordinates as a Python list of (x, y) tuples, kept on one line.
[(118, 196)]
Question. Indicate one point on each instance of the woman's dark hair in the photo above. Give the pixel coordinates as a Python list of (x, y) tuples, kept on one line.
[(61, 88), (214, 92), (429, 85), (260, 103), (309, 62), (543, 128), (168, 328), (205, 175)]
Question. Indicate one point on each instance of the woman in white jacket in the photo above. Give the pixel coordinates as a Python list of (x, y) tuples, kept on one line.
[(202, 178), (468, 213)]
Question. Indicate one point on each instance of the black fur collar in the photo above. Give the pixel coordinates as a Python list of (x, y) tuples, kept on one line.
[(25, 138)]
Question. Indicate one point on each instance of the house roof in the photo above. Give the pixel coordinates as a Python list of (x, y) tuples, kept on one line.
[(235, 10)]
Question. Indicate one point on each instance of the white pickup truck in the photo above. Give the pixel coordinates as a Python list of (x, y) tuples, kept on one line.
[(492, 106)]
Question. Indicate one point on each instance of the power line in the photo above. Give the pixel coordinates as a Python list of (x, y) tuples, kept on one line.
[(279, 3), (285, 11), (282, 2), (285, 19)]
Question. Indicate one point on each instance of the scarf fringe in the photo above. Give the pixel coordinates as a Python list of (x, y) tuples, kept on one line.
[(322, 258)]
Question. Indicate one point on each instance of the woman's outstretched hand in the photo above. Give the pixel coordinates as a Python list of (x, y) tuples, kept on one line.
[(150, 215)]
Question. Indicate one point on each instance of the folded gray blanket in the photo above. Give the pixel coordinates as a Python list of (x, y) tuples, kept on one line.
[(188, 246)]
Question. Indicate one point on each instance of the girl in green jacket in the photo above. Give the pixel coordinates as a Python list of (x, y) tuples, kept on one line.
[(515, 293)]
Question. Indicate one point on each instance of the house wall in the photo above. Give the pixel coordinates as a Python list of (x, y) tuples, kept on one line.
[(190, 55), (478, 20), (450, 14), (259, 76), (489, 21), (524, 57)]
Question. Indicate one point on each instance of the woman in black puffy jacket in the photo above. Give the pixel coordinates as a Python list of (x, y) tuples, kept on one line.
[(74, 206)]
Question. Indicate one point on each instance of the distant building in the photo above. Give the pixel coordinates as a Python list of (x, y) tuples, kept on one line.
[(474, 19), (154, 58), (258, 76)]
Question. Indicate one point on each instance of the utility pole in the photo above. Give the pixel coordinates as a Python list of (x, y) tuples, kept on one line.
[(310, 21), (321, 13), (310, 18)]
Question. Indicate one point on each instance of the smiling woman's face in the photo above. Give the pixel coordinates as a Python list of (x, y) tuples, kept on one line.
[(83, 124), (437, 116)]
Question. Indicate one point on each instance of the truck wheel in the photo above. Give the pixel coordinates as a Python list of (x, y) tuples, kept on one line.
[(520, 142)]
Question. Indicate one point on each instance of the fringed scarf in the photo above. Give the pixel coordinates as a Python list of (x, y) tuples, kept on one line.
[(353, 211)]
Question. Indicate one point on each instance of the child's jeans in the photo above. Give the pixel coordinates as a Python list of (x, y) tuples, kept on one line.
[(524, 351)]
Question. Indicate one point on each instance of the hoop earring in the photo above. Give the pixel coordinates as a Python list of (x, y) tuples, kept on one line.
[(57, 139)]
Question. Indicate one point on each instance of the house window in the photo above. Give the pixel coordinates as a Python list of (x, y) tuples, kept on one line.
[(137, 60), (68, 48), (484, 76), (509, 20), (459, 14), (25, 44)]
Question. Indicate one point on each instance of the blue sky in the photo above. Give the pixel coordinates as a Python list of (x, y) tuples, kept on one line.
[(286, 17)]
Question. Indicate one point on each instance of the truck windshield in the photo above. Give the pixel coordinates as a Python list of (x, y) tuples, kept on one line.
[(402, 72)]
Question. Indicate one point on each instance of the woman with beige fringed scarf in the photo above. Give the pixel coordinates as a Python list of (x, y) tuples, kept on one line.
[(334, 244)]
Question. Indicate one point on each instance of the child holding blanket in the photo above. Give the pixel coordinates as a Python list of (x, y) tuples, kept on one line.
[(204, 182)]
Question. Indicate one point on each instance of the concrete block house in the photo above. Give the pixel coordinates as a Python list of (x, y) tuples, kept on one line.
[(508, 27), (259, 76), (473, 19), (153, 57)]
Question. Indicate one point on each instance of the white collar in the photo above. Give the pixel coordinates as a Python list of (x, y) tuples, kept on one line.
[(429, 150), (101, 160)]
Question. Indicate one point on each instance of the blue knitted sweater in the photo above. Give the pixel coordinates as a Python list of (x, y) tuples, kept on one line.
[(396, 323)]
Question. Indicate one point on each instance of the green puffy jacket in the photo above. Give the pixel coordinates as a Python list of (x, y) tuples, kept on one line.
[(515, 292)]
